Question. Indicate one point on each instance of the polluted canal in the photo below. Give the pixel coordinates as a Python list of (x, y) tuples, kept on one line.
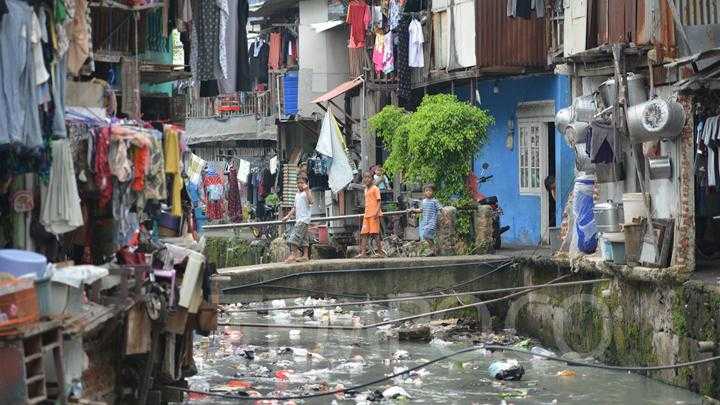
[(290, 362)]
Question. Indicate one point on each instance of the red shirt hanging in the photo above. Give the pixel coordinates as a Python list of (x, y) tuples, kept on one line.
[(358, 18)]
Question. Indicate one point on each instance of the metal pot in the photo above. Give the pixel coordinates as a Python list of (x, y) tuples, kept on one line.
[(607, 216), (577, 131), (636, 90), (563, 118), (655, 120), (584, 108), (660, 168)]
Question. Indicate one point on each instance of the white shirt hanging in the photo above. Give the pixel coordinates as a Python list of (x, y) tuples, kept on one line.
[(415, 54)]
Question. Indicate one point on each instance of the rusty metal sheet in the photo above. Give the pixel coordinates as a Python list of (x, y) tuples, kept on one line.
[(501, 41), (698, 12)]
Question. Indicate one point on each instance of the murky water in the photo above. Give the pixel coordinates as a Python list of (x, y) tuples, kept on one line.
[(294, 361)]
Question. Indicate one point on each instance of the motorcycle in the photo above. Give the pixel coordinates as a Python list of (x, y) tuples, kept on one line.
[(491, 201)]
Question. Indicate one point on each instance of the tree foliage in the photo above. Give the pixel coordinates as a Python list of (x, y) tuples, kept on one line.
[(436, 143)]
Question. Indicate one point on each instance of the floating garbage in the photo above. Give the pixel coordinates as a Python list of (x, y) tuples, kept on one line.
[(309, 313), (294, 334), (566, 373), (506, 370), (440, 342), (277, 304), (238, 384), (401, 355), (283, 374), (395, 393), (541, 353)]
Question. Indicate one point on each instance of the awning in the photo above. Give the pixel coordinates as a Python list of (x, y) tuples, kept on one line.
[(324, 26), (341, 89), (270, 8)]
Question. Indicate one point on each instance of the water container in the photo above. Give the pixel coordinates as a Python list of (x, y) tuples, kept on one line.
[(21, 262), (633, 206)]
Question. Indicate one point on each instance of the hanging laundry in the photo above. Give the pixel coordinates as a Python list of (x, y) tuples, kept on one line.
[(224, 7), (80, 38), (258, 62), (388, 58), (206, 29), (275, 50), (60, 204), (234, 204), (171, 148), (273, 165), (19, 119), (103, 175), (243, 77), (358, 17), (415, 56), (155, 184), (243, 171), (378, 51), (214, 191), (141, 159), (539, 7), (601, 143), (194, 170), (330, 144), (394, 17), (402, 63)]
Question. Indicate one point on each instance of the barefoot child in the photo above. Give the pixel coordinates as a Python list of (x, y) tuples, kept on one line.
[(428, 221), (299, 236), (371, 221)]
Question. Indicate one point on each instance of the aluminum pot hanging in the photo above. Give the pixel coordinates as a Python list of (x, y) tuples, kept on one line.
[(655, 120), (636, 90), (563, 118)]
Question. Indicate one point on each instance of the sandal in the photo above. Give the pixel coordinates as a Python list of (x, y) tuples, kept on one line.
[(360, 256)]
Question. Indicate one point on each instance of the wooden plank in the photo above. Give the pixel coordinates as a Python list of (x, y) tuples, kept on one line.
[(137, 331), (35, 378)]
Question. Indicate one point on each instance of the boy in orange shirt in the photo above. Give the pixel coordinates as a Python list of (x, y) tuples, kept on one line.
[(371, 220)]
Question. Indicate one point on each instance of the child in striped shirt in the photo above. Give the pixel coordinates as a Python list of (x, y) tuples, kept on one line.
[(429, 209)]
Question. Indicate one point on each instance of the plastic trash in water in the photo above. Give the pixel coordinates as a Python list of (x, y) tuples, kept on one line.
[(401, 355), (277, 304), (283, 374), (439, 342), (540, 353), (294, 334), (506, 370), (395, 393)]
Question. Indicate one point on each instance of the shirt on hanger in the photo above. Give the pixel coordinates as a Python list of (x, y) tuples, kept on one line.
[(710, 134), (415, 55)]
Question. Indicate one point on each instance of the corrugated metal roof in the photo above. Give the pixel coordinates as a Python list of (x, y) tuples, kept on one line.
[(341, 89), (501, 41), (247, 128)]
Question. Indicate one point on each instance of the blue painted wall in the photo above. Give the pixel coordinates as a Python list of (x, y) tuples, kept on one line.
[(521, 212)]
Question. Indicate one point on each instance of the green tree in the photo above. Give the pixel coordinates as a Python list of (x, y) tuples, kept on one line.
[(436, 143)]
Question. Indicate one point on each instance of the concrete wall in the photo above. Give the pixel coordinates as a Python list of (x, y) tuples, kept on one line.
[(522, 212), (323, 56)]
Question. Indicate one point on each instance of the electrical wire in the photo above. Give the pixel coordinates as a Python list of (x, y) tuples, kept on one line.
[(403, 319), (447, 356), (339, 294), (404, 299), (364, 270)]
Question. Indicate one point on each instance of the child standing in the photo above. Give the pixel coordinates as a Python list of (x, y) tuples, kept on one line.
[(299, 236), (371, 220), (429, 209)]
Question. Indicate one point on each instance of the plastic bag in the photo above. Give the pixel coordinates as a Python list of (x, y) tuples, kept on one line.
[(584, 232)]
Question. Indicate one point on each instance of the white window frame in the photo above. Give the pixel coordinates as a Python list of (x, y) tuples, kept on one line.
[(526, 150)]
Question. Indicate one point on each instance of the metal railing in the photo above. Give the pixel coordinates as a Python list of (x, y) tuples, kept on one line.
[(313, 219), (257, 104)]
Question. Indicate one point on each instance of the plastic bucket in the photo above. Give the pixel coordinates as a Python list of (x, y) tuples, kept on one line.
[(21, 262), (633, 207)]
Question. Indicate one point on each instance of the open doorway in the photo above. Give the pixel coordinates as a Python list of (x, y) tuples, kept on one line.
[(551, 213)]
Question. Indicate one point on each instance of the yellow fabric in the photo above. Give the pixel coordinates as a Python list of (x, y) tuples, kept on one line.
[(171, 149)]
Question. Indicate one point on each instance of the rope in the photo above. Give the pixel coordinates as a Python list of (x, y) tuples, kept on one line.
[(398, 320), (412, 298)]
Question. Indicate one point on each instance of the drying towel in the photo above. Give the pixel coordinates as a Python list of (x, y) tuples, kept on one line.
[(171, 143), (60, 210)]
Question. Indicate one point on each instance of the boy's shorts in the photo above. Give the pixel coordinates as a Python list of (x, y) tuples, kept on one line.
[(299, 235), (370, 226)]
